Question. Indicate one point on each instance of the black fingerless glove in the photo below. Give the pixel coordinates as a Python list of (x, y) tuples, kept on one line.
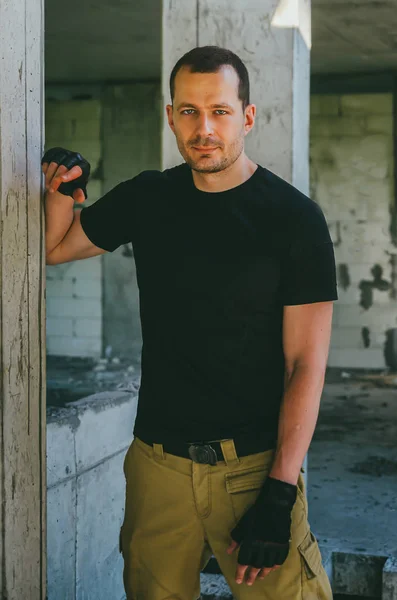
[(264, 530), (69, 159)]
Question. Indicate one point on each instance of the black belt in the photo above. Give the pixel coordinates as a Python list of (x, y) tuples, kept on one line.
[(206, 452)]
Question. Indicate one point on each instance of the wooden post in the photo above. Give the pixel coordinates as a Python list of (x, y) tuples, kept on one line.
[(22, 317)]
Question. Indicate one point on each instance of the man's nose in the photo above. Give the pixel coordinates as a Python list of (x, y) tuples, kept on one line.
[(204, 125)]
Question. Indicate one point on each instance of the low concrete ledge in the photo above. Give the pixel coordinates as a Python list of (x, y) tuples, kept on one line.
[(389, 587), (326, 556), (86, 445), (88, 431), (356, 574)]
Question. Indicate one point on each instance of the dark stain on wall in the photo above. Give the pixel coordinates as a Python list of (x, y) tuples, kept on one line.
[(366, 294), (393, 288), (327, 157), (379, 283), (343, 275), (390, 350), (393, 224), (393, 205), (365, 336), (367, 287)]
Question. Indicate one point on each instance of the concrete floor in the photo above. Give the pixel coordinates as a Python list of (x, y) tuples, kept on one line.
[(352, 467), (73, 378), (352, 480)]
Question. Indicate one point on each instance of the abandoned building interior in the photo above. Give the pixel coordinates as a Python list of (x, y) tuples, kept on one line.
[(93, 77)]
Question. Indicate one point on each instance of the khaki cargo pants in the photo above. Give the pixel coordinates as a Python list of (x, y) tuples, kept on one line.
[(178, 513)]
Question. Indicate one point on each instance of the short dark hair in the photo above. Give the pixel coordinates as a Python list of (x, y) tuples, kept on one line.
[(209, 59)]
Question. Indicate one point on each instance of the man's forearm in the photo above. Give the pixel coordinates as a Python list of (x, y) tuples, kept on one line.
[(59, 215), (298, 417)]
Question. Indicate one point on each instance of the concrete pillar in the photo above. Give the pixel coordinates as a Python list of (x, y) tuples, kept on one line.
[(22, 319), (273, 38)]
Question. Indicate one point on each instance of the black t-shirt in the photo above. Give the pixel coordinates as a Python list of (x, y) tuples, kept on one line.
[(214, 271)]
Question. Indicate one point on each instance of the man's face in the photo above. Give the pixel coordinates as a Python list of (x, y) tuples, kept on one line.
[(208, 120)]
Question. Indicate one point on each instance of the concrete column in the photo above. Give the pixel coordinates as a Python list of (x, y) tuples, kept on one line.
[(22, 319), (272, 37)]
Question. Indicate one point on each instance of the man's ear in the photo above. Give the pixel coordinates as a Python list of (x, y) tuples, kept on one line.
[(170, 117), (250, 113)]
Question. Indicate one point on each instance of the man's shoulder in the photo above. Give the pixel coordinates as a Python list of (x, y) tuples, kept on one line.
[(287, 196), (177, 172), (302, 217), (156, 177)]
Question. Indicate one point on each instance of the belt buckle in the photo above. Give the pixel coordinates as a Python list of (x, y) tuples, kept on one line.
[(203, 454)]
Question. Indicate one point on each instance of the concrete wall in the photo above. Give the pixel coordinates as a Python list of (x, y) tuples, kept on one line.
[(131, 144), (117, 128), (86, 445), (74, 290), (352, 180)]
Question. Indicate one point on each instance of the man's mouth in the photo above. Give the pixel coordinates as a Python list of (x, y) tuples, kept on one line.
[(204, 150)]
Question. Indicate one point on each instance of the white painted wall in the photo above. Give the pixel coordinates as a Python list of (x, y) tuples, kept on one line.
[(352, 180)]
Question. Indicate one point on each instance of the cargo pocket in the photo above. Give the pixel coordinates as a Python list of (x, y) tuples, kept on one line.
[(310, 559), (315, 582), (243, 488)]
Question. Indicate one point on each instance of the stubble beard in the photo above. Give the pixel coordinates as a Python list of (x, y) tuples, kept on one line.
[(215, 166)]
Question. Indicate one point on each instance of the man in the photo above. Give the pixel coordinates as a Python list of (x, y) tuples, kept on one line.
[(236, 275)]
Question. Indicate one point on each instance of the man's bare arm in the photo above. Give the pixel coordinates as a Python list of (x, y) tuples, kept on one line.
[(306, 338), (74, 246)]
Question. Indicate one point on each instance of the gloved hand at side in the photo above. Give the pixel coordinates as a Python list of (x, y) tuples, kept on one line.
[(263, 532)]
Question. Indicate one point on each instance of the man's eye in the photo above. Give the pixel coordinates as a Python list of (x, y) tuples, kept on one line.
[(188, 111), (220, 111)]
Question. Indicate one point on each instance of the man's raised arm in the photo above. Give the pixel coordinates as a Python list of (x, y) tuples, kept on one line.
[(66, 177)]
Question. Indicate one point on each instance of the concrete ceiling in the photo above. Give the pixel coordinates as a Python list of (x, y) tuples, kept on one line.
[(115, 40), (102, 40), (354, 35)]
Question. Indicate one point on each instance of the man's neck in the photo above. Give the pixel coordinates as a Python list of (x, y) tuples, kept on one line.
[(241, 170)]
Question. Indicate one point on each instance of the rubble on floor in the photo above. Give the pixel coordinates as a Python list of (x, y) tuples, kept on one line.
[(72, 378)]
